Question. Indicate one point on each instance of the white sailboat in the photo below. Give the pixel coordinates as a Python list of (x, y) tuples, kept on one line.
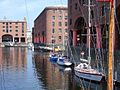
[(84, 70)]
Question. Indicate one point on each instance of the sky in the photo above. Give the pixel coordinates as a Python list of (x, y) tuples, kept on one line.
[(18, 9)]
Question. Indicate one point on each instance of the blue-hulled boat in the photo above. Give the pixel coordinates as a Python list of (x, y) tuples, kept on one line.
[(64, 61), (53, 57)]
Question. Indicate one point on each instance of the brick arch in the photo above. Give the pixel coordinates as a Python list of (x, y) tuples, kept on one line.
[(80, 27), (7, 38)]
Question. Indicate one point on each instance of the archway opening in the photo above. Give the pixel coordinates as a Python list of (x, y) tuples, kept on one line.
[(7, 38), (80, 26)]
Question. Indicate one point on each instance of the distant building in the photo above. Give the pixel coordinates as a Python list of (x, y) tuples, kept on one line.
[(78, 22), (51, 26), (13, 31)]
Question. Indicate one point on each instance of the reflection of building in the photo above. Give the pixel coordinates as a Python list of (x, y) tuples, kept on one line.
[(78, 22), (50, 26), (13, 31), (29, 36), (50, 74), (15, 57)]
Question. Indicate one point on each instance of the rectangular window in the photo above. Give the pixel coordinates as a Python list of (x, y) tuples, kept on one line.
[(65, 23), (53, 17), (6, 23), (16, 30), (16, 26), (53, 24), (53, 30), (60, 17), (3, 30), (10, 30), (60, 37), (66, 17), (60, 30), (65, 30), (6, 30), (16, 34), (22, 34), (60, 23)]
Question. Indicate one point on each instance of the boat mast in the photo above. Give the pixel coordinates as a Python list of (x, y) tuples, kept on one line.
[(89, 25), (111, 45)]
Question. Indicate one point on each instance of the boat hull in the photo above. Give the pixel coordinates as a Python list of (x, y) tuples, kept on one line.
[(64, 63), (89, 76), (54, 58)]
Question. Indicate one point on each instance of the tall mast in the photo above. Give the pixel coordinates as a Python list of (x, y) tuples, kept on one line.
[(111, 45), (89, 25)]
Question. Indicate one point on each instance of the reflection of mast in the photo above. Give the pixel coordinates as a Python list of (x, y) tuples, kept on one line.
[(89, 25), (111, 45)]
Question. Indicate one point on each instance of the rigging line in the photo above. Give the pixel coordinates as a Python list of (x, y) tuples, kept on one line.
[(26, 6), (82, 11), (117, 23)]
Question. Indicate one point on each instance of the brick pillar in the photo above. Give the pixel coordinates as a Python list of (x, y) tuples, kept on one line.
[(74, 37)]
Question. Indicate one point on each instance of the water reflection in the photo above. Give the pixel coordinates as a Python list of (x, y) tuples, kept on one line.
[(13, 58), (16, 70), (55, 77), (22, 69)]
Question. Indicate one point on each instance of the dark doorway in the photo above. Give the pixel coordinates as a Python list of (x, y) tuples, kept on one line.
[(22, 39), (80, 26), (16, 39), (7, 38)]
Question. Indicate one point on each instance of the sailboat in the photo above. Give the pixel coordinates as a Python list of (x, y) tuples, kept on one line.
[(84, 70), (64, 60)]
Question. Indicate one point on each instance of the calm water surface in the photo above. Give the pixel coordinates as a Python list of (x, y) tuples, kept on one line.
[(22, 69)]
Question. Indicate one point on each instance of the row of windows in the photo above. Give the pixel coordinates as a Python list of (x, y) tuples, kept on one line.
[(59, 38), (59, 11), (59, 30), (9, 26), (60, 17), (11, 23), (59, 24), (17, 34), (11, 30)]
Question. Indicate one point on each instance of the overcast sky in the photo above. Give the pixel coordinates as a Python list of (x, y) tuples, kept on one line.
[(18, 9)]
